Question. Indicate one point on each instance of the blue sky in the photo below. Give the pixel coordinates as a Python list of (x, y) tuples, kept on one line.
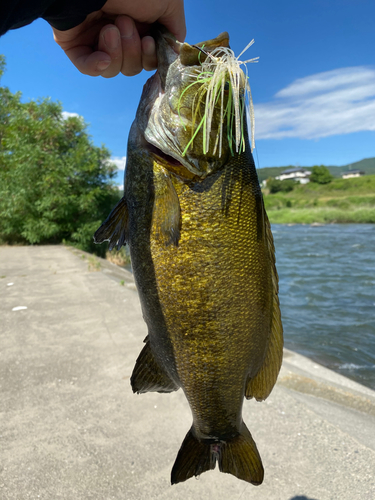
[(313, 87)]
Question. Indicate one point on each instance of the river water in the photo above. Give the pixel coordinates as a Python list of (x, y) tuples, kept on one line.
[(327, 295)]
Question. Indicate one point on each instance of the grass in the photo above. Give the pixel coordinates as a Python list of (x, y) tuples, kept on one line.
[(119, 257), (342, 200), (322, 215), (93, 264)]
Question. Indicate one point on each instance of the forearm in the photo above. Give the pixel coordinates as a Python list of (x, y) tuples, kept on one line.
[(61, 14)]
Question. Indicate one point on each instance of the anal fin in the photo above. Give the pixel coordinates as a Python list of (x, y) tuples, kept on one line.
[(114, 229), (148, 376)]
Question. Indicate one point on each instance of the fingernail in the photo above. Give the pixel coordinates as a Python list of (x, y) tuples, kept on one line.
[(127, 29), (111, 38), (102, 65)]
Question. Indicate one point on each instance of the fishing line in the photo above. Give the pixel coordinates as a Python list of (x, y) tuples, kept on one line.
[(256, 151), (243, 492)]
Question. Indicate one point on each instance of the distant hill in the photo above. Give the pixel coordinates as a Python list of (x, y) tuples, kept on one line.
[(367, 165)]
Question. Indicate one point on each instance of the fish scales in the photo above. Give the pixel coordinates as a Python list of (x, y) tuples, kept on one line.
[(203, 261)]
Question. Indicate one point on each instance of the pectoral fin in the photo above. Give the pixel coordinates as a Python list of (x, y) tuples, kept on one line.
[(148, 376), (166, 216), (261, 385), (114, 228)]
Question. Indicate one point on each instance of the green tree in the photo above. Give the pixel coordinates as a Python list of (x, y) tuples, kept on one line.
[(321, 175), (55, 184)]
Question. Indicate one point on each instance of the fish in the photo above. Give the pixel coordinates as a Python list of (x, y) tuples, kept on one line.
[(202, 255)]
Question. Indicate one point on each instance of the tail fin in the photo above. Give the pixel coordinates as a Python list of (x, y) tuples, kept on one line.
[(238, 456), (194, 457)]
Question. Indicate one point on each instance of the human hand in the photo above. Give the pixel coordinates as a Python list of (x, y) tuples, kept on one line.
[(115, 39)]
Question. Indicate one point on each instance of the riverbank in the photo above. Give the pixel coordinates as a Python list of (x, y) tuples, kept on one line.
[(326, 291), (72, 429), (340, 201)]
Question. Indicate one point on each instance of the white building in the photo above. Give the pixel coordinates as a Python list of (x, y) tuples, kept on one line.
[(297, 174), (352, 173)]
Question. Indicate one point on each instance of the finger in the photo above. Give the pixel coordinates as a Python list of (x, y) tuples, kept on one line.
[(88, 62), (81, 54), (174, 20), (131, 46), (149, 59), (110, 43)]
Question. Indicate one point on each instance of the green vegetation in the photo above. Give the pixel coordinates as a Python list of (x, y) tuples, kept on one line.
[(119, 257), (367, 165), (321, 175), (93, 264), (341, 200), (55, 185), (276, 186)]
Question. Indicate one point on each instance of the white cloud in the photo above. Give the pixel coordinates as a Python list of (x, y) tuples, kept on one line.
[(119, 161), (67, 114), (336, 102)]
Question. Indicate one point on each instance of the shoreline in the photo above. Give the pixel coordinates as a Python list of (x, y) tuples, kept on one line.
[(321, 217), (339, 201), (125, 278), (73, 429), (120, 274)]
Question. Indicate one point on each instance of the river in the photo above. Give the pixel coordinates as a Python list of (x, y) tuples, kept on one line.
[(327, 295)]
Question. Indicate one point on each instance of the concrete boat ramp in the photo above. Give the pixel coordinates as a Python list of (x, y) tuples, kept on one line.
[(71, 428)]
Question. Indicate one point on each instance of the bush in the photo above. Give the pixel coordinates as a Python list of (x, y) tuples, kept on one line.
[(321, 175), (55, 184), (276, 186)]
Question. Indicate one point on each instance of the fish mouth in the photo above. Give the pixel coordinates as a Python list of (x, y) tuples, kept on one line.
[(160, 120), (159, 139), (171, 163), (158, 124), (163, 156)]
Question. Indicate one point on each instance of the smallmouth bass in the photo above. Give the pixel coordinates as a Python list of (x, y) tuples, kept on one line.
[(203, 260)]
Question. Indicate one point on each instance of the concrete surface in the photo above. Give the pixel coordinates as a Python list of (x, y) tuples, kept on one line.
[(72, 429)]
